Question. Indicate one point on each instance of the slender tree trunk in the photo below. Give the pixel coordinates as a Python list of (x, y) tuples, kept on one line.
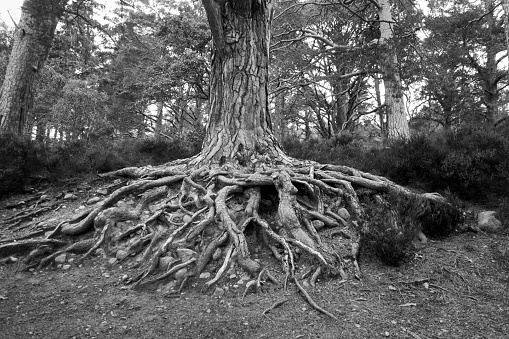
[(505, 5), (32, 40), (381, 108), (397, 123), (239, 130), (341, 107), (198, 114), (159, 120), (41, 130), (491, 94), (279, 116)]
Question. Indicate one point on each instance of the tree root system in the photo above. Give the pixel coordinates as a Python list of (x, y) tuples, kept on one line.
[(174, 222)]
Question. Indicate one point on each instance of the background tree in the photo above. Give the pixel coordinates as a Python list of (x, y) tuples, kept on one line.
[(32, 40)]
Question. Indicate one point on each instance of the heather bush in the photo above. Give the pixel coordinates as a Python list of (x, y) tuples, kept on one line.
[(472, 163), (391, 223), (19, 157), (23, 159)]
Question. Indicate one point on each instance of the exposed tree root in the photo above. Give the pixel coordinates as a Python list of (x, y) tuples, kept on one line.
[(180, 221)]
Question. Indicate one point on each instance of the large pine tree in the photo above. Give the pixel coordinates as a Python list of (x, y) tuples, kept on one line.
[(32, 41), (239, 193)]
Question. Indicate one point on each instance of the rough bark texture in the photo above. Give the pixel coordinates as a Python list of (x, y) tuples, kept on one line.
[(32, 40), (397, 123), (239, 128)]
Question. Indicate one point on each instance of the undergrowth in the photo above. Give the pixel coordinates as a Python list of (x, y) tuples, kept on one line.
[(23, 160), (472, 163), (390, 226)]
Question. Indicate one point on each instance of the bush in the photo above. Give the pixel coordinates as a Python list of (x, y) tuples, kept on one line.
[(390, 227), (437, 221), (23, 159), (20, 159), (472, 163)]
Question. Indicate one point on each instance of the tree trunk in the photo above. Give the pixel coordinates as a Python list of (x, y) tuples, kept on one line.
[(505, 5), (159, 120), (279, 116), (381, 108), (397, 123), (239, 128), (32, 40)]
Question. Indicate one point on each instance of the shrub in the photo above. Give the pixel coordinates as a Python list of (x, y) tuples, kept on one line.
[(390, 226), (438, 221), (23, 158), (20, 158), (472, 163)]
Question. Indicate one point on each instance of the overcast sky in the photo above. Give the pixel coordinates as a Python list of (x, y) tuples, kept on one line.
[(14, 8)]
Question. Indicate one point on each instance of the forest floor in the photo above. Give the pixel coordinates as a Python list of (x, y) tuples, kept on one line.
[(457, 287)]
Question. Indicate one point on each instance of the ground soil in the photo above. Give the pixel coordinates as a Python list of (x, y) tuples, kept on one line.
[(457, 287)]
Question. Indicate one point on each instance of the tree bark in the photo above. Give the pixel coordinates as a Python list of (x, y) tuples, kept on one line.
[(159, 120), (397, 123), (239, 130), (505, 5), (32, 40)]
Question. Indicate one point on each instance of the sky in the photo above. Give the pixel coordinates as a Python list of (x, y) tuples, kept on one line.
[(14, 8), (10, 6)]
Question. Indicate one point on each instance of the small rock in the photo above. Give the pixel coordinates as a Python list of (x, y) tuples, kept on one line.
[(81, 207), (186, 218), (102, 191), (13, 259), (422, 237), (240, 282), (218, 292), (70, 196), (93, 200), (169, 286), (44, 197), (121, 254), (305, 284), (165, 262), (233, 276), (185, 254), (112, 261), (343, 213), (106, 275), (217, 254), (180, 273), (66, 267), (487, 222), (204, 275), (318, 224), (61, 258)]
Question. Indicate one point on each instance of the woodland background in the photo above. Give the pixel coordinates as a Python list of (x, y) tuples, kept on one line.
[(127, 85)]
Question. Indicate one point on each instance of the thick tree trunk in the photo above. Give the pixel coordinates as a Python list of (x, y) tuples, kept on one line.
[(32, 40), (397, 123), (239, 128)]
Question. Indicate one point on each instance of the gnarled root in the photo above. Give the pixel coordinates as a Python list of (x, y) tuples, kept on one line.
[(190, 220)]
